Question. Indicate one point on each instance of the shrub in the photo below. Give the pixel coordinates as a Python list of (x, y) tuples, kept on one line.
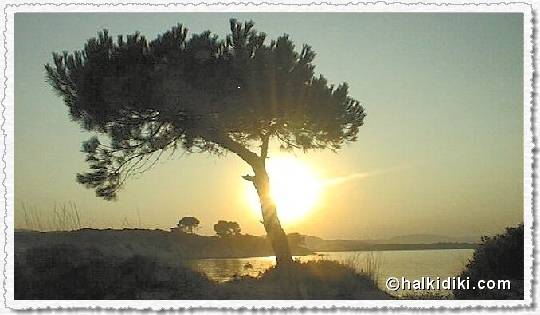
[(497, 258), (63, 272), (316, 280)]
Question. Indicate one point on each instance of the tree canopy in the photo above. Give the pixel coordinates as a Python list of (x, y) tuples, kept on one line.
[(202, 94), (227, 228), (187, 224)]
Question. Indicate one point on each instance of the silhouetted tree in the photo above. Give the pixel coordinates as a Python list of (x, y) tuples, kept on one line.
[(187, 224), (202, 94), (227, 228)]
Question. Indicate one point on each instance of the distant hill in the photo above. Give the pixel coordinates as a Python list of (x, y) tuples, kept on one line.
[(429, 239), (318, 244), (406, 242)]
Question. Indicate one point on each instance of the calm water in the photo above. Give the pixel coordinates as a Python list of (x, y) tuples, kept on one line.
[(411, 264)]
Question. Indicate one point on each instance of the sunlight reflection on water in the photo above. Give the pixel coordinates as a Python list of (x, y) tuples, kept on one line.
[(411, 264)]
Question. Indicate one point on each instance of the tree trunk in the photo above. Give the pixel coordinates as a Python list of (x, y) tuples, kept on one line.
[(276, 234)]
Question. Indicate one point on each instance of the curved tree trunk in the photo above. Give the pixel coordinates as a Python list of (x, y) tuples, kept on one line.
[(276, 234), (278, 238)]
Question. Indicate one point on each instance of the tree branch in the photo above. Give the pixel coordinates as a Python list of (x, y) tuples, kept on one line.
[(249, 178), (237, 148)]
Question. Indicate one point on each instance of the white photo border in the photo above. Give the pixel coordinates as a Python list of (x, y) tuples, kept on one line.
[(7, 143)]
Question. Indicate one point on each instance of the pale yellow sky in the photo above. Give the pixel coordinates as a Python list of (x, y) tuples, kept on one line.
[(442, 142)]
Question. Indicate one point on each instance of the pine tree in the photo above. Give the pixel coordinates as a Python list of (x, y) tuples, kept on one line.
[(202, 94)]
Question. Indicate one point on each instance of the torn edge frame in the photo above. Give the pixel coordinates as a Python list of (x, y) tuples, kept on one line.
[(529, 131)]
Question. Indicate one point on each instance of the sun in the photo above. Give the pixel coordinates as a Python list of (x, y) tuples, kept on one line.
[(295, 188)]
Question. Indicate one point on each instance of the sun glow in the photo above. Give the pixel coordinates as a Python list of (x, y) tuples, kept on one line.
[(294, 187)]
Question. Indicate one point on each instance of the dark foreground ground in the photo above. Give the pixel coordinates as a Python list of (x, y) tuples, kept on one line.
[(144, 264), (62, 272)]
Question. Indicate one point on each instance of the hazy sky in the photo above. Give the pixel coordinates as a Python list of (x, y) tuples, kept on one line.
[(442, 138)]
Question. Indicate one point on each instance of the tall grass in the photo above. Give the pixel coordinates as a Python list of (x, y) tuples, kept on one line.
[(63, 217), (367, 263)]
